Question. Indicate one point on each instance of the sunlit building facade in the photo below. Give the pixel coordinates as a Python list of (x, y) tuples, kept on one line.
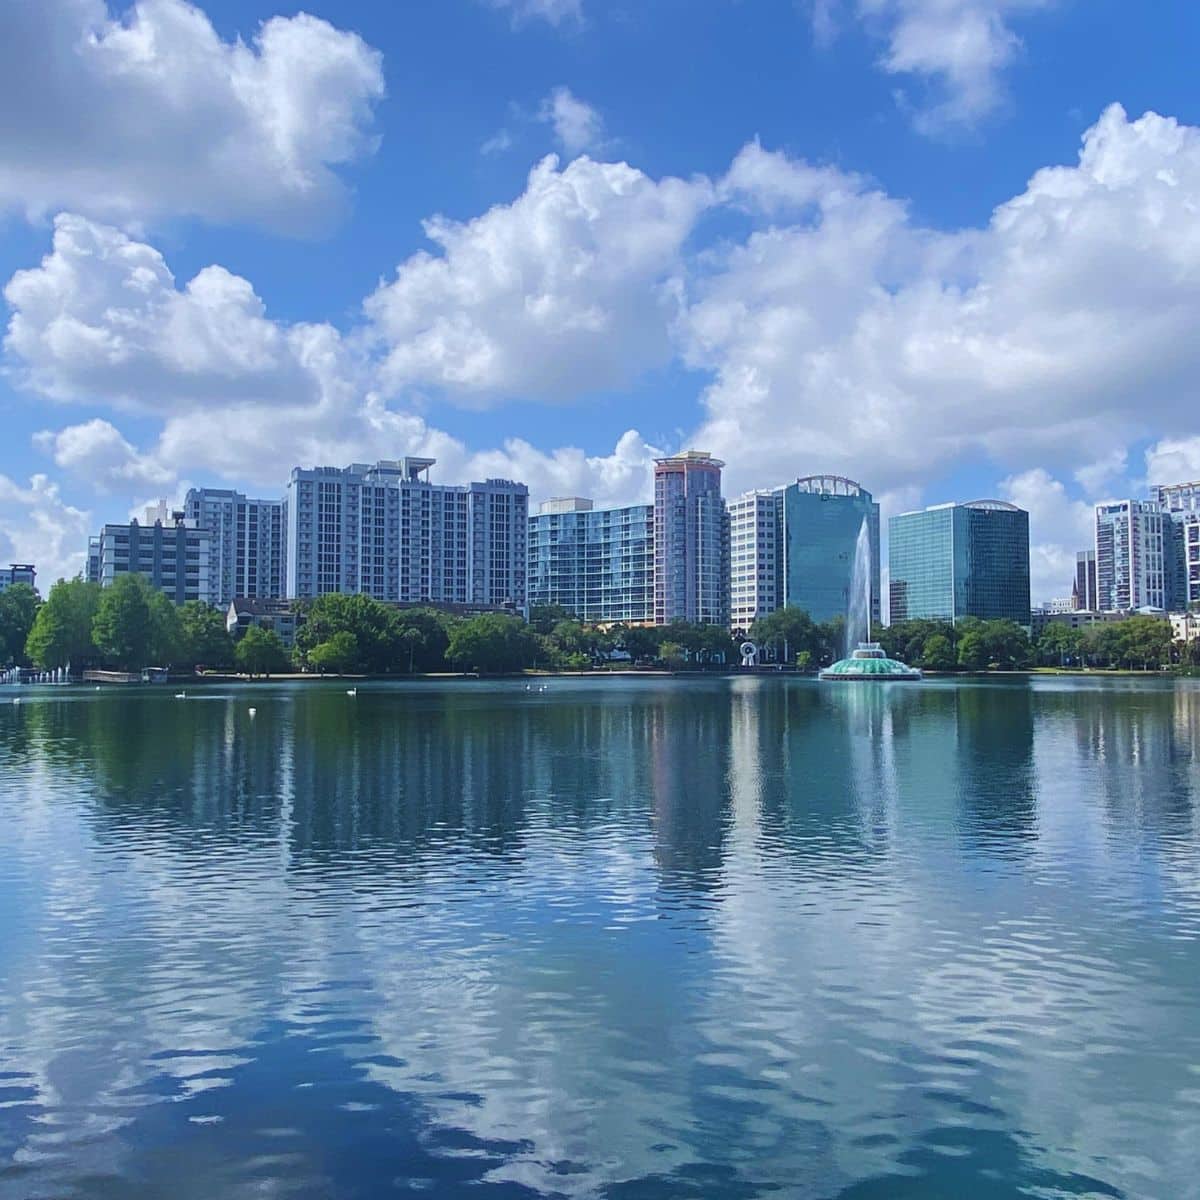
[(597, 563), (960, 560), (1130, 566), (386, 531), (172, 555), (691, 540), (246, 554)]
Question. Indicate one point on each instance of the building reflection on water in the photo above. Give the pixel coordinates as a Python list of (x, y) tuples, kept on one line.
[(715, 934)]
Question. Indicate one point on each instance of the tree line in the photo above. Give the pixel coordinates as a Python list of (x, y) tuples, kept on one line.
[(131, 625), (973, 645)]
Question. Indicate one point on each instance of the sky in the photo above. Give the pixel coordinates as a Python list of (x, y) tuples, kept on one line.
[(949, 248)]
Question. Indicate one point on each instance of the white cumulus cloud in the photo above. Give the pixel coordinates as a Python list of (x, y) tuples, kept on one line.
[(149, 113), (576, 124), (571, 288), (956, 50), (41, 528)]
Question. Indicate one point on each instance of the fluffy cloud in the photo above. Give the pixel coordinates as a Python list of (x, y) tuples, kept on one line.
[(836, 333), (1173, 460), (577, 125), (958, 49), (554, 12), (570, 288), (96, 450), (41, 528), (845, 334), (153, 113), (1059, 526), (239, 394), (102, 317)]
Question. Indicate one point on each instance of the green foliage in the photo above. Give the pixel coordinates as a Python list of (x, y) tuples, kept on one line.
[(204, 640), (790, 632), (260, 652), (937, 654), (339, 654), (1139, 641), (61, 634), (907, 640), (544, 617), (673, 654), (492, 643), (972, 653), (18, 611), (1059, 645), (124, 626)]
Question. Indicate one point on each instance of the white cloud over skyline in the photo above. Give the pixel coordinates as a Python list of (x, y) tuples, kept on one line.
[(836, 333), (151, 114)]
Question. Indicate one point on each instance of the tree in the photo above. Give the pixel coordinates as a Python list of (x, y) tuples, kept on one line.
[(166, 630), (1006, 645), (1058, 645), (339, 654), (375, 626), (672, 654), (638, 641), (124, 625), (972, 651), (544, 617), (428, 653), (789, 631), (204, 640), (938, 654), (18, 611), (260, 652), (492, 642), (412, 637), (62, 629)]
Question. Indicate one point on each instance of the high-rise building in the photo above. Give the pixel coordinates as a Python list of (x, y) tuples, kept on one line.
[(386, 531), (797, 546), (597, 563), (755, 556), (246, 554), (1130, 570), (172, 556), (691, 540), (824, 518), (18, 573), (1083, 592), (960, 560), (1179, 504)]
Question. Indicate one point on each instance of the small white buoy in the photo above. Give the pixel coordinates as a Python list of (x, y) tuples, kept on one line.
[(253, 711), (97, 687)]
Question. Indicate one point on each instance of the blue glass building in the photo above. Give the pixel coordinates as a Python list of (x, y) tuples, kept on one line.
[(960, 560), (597, 563)]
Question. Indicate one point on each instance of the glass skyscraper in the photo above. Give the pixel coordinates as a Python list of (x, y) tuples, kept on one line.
[(597, 563), (960, 560), (823, 518), (796, 545)]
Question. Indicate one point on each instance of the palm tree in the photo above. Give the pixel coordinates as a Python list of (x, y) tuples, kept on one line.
[(414, 638)]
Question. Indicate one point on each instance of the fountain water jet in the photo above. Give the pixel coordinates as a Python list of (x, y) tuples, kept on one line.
[(858, 612)]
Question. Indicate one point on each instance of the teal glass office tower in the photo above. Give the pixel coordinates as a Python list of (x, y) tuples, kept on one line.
[(960, 560), (823, 517), (597, 563)]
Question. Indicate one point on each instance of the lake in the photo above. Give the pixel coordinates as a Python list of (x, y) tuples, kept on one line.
[(638, 939)]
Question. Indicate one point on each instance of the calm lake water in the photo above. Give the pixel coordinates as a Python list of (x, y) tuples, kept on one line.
[(631, 939)]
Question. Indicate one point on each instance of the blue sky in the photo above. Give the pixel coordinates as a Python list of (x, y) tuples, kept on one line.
[(912, 241)]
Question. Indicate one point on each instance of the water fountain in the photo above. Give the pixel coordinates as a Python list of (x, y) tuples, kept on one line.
[(865, 659)]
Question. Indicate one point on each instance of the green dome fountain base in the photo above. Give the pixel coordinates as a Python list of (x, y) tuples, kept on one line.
[(869, 664)]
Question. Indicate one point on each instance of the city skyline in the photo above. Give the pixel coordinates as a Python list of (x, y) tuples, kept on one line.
[(839, 249)]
